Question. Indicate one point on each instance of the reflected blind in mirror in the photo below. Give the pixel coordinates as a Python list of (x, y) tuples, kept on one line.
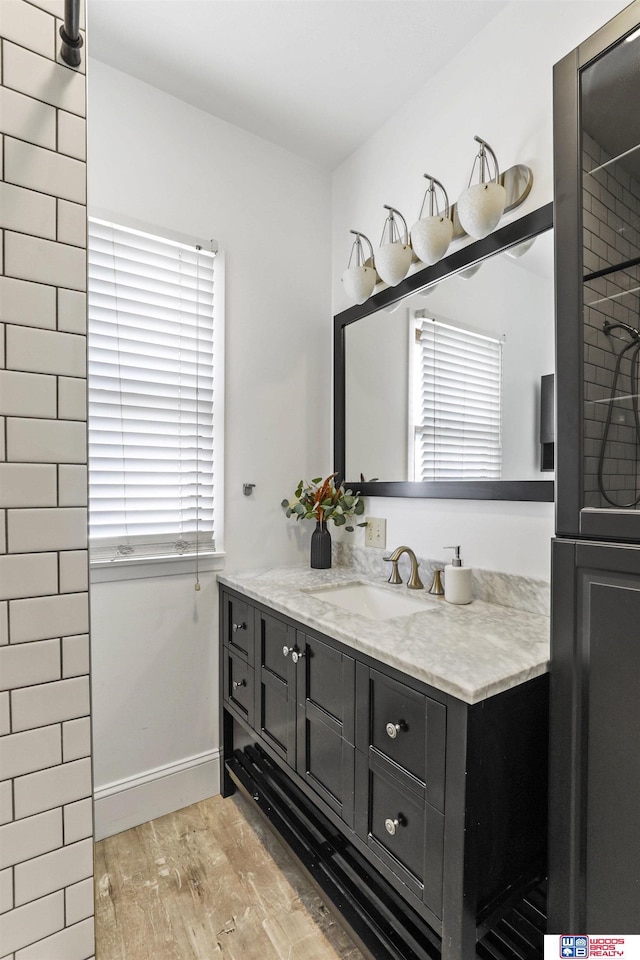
[(151, 394), (457, 403)]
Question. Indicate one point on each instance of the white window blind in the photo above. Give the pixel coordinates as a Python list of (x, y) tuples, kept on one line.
[(457, 395), (151, 395)]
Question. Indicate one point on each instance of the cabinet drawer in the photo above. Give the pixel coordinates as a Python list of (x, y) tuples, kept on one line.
[(397, 723), (238, 685), (397, 822), (238, 619), (404, 831), (408, 728)]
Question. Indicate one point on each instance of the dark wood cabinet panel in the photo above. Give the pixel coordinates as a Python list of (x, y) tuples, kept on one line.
[(275, 680), (595, 775), (326, 759), (328, 681), (238, 685), (613, 752), (326, 708)]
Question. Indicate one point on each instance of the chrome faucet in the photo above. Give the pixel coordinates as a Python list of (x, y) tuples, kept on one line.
[(414, 583)]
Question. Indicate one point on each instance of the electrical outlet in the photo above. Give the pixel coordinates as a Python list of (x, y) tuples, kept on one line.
[(375, 532)]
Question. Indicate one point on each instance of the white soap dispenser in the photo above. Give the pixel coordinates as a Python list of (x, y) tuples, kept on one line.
[(457, 580)]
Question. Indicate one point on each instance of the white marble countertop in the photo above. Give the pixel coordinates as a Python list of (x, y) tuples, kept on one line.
[(471, 652)]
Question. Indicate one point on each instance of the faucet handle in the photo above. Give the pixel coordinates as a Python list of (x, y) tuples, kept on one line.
[(395, 576), (436, 587)]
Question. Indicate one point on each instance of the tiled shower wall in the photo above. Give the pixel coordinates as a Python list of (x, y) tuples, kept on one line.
[(46, 846), (611, 220)]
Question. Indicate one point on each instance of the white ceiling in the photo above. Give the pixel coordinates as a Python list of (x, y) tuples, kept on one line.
[(315, 76)]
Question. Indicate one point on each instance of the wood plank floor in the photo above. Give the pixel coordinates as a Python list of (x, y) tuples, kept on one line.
[(209, 882)]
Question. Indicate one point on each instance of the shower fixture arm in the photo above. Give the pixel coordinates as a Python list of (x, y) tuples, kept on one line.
[(607, 327), (630, 347), (70, 34)]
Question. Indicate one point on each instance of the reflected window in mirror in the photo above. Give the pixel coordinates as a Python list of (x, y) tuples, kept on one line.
[(455, 402)]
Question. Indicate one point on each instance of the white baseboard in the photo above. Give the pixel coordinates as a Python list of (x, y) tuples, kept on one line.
[(135, 800)]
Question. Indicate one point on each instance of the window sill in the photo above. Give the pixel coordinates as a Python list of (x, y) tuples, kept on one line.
[(138, 568)]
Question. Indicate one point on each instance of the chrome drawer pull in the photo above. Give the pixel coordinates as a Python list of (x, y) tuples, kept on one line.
[(239, 683), (393, 729), (391, 826), (297, 655), (239, 626), (286, 651)]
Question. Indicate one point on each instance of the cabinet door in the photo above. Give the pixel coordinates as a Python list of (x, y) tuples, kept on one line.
[(595, 752), (326, 688), (275, 685)]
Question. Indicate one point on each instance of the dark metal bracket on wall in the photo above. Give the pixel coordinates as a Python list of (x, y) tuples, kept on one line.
[(70, 34)]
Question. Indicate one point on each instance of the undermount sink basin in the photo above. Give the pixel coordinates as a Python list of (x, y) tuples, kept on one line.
[(372, 601)]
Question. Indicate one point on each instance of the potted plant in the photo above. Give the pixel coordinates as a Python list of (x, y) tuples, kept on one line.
[(322, 501)]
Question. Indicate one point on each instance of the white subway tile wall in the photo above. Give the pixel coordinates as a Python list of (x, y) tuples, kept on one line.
[(46, 823)]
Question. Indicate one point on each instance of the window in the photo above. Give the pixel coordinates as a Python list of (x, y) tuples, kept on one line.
[(457, 403), (153, 417)]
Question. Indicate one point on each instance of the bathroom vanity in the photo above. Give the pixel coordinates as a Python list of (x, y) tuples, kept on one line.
[(402, 758)]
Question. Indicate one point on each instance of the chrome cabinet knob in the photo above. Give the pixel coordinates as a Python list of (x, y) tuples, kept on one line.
[(239, 683), (297, 655), (238, 626), (286, 651), (393, 729), (391, 826)]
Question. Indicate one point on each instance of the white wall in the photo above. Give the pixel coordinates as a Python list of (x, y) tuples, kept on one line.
[(500, 87), (155, 159)]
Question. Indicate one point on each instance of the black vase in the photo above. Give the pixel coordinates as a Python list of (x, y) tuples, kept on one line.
[(320, 547)]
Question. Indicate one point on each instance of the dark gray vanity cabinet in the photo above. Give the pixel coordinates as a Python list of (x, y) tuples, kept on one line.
[(421, 817)]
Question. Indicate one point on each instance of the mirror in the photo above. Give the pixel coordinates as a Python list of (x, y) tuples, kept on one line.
[(442, 383)]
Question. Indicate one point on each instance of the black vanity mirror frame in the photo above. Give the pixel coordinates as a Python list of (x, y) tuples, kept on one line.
[(532, 224)]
